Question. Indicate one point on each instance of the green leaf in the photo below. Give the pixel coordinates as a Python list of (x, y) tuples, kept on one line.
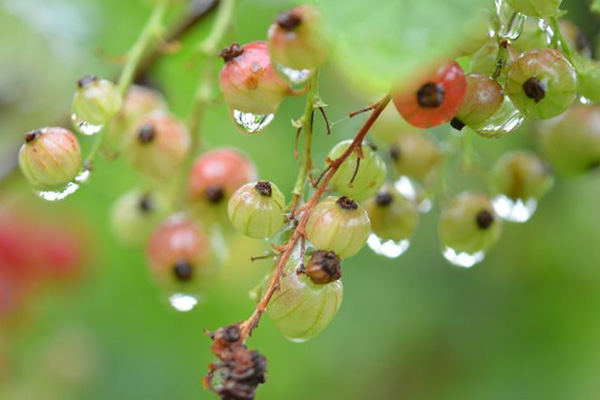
[(382, 42)]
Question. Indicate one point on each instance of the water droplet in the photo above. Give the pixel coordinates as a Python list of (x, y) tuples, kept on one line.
[(83, 176), (295, 76), (84, 127), (251, 123), (505, 121), (462, 259), (387, 248), (183, 302), (59, 194), (585, 101), (410, 190), (516, 27), (519, 210)]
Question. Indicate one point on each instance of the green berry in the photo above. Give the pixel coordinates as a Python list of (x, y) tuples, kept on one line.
[(588, 72), (358, 178), (484, 61), (415, 156), (484, 99), (522, 175), (542, 84), (390, 125), (392, 215), (571, 142), (535, 8), (532, 37), (257, 209), (50, 158), (301, 309), (135, 215), (340, 225), (468, 224), (96, 101)]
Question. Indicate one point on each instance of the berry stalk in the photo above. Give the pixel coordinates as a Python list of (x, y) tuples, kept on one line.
[(558, 37), (248, 325)]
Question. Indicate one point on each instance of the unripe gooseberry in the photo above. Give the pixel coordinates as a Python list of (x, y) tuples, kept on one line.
[(135, 215), (535, 8), (257, 209), (433, 99), (301, 309), (358, 178), (340, 225), (415, 156), (50, 158), (392, 215), (532, 37), (96, 101), (522, 175), (484, 98), (542, 84), (249, 81), (179, 253), (468, 224), (571, 142), (297, 39), (158, 145)]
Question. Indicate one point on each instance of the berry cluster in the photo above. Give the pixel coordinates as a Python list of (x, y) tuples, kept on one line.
[(519, 68)]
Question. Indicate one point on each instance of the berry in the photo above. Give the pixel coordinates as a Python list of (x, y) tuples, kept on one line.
[(390, 125), (297, 40), (485, 61), (50, 158), (415, 156), (532, 37), (484, 98), (217, 174), (522, 175), (542, 83), (248, 80), (257, 209), (588, 72), (179, 253), (475, 36), (358, 178), (323, 267), (393, 216), (434, 99), (468, 224), (571, 142), (340, 225), (535, 8), (158, 145), (139, 102), (301, 309), (135, 215), (96, 101)]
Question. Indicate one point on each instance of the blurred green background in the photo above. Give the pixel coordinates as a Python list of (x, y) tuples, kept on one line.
[(525, 324)]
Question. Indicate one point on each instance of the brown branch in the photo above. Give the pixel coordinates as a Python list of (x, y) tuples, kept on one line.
[(248, 325)]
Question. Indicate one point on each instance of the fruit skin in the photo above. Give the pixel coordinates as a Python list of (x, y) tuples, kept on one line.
[(484, 98), (468, 224), (390, 125), (415, 156), (297, 39), (369, 178), (588, 73), (571, 142), (300, 309), (139, 102), (434, 99), (535, 8), (532, 37), (392, 216), (135, 215), (218, 173), (257, 209), (50, 158), (179, 240), (522, 175), (249, 81), (542, 84), (340, 225), (158, 145), (96, 100)]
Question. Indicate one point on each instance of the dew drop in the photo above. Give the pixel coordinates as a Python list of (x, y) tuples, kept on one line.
[(251, 123), (585, 101), (183, 302), (519, 210), (387, 248), (516, 28), (463, 259), (59, 194), (83, 176), (505, 121), (295, 76), (84, 127)]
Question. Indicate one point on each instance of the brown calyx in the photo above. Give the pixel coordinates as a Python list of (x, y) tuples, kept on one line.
[(430, 95), (323, 267), (231, 52)]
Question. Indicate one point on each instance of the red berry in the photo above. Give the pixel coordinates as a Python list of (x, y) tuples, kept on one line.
[(434, 99)]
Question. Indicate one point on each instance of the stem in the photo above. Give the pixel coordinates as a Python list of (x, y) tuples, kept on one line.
[(563, 43), (503, 47), (248, 325), (307, 124)]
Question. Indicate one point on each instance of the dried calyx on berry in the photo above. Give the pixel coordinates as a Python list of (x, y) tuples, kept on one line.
[(183, 270), (323, 267)]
